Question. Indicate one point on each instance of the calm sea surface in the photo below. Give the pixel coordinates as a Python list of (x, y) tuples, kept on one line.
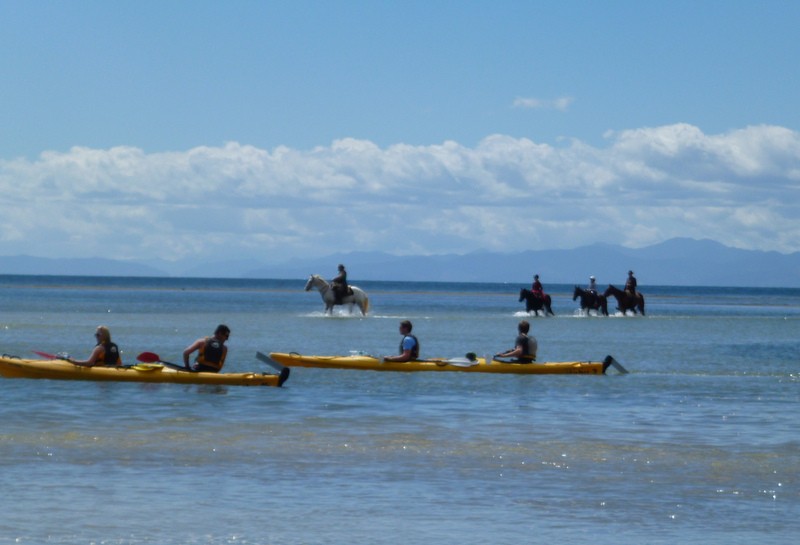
[(700, 443)]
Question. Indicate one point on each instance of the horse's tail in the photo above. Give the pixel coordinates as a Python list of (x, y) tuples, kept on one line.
[(547, 303), (365, 308)]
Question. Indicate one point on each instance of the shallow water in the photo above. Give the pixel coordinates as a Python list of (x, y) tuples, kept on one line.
[(698, 443)]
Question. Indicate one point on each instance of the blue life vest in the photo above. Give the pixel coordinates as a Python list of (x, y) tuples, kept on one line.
[(414, 349)]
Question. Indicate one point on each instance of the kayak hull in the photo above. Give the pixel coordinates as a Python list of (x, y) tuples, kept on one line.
[(370, 363), (12, 367)]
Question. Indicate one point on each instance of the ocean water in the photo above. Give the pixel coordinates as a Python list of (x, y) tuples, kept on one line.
[(699, 443)]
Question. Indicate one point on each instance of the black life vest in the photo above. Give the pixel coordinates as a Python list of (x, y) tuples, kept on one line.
[(212, 353), (110, 355)]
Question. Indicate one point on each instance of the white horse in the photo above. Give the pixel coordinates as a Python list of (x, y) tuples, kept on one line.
[(358, 298)]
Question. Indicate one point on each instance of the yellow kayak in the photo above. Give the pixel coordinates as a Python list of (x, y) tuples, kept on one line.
[(475, 365), (59, 369)]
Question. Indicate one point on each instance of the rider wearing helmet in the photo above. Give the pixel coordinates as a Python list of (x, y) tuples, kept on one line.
[(592, 287)]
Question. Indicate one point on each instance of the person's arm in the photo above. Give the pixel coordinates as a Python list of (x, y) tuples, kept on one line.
[(515, 352), (408, 345), (195, 346), (93, 357), (405, 356)]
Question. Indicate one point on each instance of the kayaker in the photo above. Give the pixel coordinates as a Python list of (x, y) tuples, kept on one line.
[(409, 344), (525, 346), (211, 351), (104, 353), (339, 285)]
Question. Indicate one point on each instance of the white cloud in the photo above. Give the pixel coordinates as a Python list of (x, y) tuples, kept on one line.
[(508, 194), (561, 104)]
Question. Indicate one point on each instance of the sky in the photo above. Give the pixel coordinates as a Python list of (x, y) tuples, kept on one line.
[(197, 130)]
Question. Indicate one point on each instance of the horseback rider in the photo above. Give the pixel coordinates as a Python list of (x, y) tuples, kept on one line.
[(592, 287), (339, 285), (592, 298), (630, 284), (536, 288)]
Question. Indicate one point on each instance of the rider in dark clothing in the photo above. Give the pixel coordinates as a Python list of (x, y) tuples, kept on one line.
[(630, 284), (339, 285)]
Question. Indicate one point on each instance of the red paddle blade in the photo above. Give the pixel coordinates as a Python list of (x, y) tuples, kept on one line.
[(148, 357), (46, 355)]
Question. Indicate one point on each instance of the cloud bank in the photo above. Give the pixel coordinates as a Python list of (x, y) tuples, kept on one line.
[(741, 188), (561, 104)]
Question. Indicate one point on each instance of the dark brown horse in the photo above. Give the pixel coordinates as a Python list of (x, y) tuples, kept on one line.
[(626, 301), (535, 303), (591, 300)]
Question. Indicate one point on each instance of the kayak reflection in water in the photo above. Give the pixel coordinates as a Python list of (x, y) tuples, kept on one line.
[(211, 351)]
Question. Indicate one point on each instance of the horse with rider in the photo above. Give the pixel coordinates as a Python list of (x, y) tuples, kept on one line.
[(536, 299)]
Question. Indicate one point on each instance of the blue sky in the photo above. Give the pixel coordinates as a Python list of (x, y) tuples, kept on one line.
[(289, 129)]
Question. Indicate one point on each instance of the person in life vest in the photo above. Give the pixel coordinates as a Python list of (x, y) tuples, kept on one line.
[(339, 285), (630, 284), (104, 353), (536, 288), (525, 346), (211, 351), (409, 344)]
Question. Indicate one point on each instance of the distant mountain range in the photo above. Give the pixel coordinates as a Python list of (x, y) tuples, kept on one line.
[(676, 262)]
